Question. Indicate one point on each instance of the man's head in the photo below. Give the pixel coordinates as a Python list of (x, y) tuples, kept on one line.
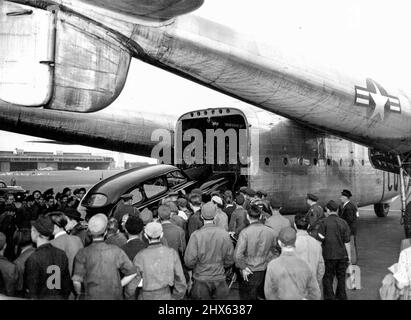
[(287, 237), (239, 199), (254, 213), (345, 196), (146, 215), (301, 222), (261, 194), (173, 207), (73, 217), (67, 191), (311, 199), (50, 201), (133, 226), (208, 211), (59, 221), (217, 201), (195, 197), (30, 200), (81, 193), (331, 207), (42, 229), (153, 231), (97, 225), (182, 203), (112, 226), (71, 201), (23, 238), (63, 199), (164, 212), (2, 243), (10, 199), (36, 194)]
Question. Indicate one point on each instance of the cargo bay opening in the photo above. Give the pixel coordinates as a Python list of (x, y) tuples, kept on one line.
[(217, 139)]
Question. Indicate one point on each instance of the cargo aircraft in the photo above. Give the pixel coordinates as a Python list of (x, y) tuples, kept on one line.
[(309, 128)]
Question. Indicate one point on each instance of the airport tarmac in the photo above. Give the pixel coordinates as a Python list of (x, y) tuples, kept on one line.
[(378, 239)]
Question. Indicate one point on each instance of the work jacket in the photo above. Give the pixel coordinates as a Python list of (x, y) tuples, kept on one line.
[(71, 245), (290, 278), (208, 252), (160, 268), (256, 247)]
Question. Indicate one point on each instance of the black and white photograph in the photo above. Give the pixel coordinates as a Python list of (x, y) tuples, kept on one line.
[(227, 151)]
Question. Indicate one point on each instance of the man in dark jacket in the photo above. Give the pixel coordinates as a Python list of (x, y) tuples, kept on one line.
[(348, 211), (314, 215), (133, 227), (46, 274), (174, 234), (194, 222), (335, 234), (8, 271), (208, 252)]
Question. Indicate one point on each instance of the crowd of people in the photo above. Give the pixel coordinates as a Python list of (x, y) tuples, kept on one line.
[(183, 248)]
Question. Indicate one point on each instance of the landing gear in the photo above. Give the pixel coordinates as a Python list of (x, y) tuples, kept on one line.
[(406, 219), (381, 209)]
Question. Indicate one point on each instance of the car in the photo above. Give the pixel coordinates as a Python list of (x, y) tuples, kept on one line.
[(5, 189), (149, 185)]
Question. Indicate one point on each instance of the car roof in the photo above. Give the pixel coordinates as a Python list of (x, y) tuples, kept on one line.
[(120, 183)]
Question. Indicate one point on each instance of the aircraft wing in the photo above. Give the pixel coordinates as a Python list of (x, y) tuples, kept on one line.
[(148, 9)]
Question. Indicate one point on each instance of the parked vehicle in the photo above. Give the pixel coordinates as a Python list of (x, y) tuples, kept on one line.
[(149, 185), (5, 189)]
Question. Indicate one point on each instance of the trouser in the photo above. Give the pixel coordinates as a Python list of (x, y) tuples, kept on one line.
[(354, 252), (335, 268), (207, 290), (160, 294), (254, 287)]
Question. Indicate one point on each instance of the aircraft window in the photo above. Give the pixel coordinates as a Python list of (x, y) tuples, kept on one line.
[(285, 161), (175, 178), (154, 187), (315, 161), (267, 161), (328, 162), (352, 162), (362, 162)]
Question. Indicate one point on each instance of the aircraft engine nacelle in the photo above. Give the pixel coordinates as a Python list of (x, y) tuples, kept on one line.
[(58, 60)]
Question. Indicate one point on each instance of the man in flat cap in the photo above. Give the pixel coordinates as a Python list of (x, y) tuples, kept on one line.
[(349, 212), (125, 206), (221, 219), (314, 215), (70, 244), (159, 267), (76, 226), (100, 266), (194, 221), (289, 277), (256, 246), (335, 235), (46, 274), (208, 252), (174, 234)]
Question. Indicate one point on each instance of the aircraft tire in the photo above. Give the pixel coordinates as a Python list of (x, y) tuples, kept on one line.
[(381, 209), (407, 221)]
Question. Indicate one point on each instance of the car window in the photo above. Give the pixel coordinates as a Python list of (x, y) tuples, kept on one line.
[(137, 195), (175, 178), (154, 187)]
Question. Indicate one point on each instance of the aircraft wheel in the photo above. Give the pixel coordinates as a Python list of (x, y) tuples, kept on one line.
[(407, 221), (381, 209)]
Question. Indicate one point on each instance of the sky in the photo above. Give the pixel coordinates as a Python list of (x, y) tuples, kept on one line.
[(361, 36)]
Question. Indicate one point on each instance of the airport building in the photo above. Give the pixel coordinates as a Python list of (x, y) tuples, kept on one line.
[(21, 160)]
